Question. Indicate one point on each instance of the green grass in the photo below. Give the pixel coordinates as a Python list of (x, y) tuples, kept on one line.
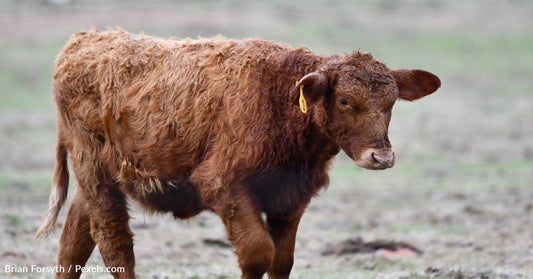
[(4, 181), (463, 53), (32, 181), (494, 166), (25, 75), (361, 266), (12, 219), (418, 173)]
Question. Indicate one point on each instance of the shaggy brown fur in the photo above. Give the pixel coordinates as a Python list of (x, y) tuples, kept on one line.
[(183, 126)]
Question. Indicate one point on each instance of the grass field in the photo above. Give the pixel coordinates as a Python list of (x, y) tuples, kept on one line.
[(462, 188)]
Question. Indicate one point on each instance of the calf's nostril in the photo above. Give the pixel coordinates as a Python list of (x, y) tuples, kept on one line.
[(377, 158), (383, 158)]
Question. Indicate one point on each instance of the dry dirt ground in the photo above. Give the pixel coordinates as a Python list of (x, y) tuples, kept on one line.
[(462, 189)]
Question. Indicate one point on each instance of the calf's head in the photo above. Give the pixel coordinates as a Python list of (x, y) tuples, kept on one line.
[(352, 97)]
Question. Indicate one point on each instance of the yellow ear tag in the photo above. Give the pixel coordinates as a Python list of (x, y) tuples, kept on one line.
[(303, 103)]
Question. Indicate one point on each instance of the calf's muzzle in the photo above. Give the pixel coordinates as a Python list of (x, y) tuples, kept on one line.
[(384, 158), (377, 158)]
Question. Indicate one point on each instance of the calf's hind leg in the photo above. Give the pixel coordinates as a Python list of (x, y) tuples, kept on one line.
[(110, 230), (76, 243)]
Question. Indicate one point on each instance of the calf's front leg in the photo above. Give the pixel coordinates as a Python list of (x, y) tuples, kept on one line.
[(253, 244), (283, 231)]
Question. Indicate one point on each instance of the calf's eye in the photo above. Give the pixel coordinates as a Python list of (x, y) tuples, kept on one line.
[(343, 102)]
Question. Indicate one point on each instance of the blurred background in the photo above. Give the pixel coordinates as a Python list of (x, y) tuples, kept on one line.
[(462, 187)]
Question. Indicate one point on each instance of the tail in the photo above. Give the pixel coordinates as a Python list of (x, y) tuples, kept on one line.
[(59, 191)]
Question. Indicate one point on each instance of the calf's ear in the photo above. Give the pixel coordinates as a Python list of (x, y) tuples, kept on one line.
[(415, 84), (314, 85)]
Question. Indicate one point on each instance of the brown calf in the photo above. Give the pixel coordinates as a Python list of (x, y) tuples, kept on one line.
[(183, 126)]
